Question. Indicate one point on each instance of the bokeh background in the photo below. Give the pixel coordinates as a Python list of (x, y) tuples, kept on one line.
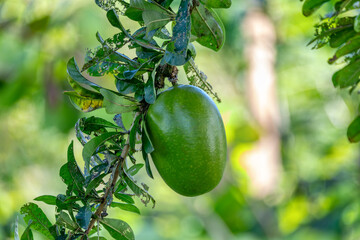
[(291, 172)]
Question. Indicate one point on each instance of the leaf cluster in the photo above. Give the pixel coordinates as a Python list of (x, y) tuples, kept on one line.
[(162, 43), (340, 29)]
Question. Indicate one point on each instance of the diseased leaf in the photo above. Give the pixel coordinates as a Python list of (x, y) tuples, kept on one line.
[(80, 90), (118, 229), (143, 194), (310, 6), (176, 51), (84, 104), (347, 76), (75, 74), (105, 59), (91, 147), (217, 3), (208, 28), (322, 37), (39, 221), (84, 216), (126, 207), (353, 131), (198, 78), (124, 197), (112, 4), (115, 104), (48, 199)]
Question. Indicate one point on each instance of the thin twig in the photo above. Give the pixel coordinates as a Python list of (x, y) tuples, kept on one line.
[(110, 189)]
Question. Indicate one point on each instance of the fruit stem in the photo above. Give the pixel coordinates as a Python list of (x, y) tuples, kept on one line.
[(110, 189)]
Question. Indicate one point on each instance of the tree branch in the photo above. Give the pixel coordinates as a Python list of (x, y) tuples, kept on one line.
[(110, 189)]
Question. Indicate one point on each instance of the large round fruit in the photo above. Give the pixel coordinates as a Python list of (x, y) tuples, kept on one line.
[(187, 132)]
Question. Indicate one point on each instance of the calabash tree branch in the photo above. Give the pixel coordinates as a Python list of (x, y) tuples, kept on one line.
[(110, 189)]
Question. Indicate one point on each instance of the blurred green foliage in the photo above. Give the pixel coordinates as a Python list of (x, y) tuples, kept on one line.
[(318, 195)]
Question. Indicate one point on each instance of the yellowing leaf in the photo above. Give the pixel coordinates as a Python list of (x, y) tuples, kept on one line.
[(85, 104)]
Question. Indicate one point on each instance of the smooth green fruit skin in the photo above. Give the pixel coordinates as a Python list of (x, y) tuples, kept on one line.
[(187, 132)]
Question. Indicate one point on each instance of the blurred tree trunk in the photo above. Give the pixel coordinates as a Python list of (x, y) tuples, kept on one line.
[(263, 163)]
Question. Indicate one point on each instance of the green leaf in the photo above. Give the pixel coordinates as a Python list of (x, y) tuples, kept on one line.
[(357, 23), (118, 229), (93, 124), (337, 39), (174, 58), (90, 148), (97, 238), (115, 104), (75, 74), (353, 131), (146, 142), (65, 221), (84, 216), (134, 169), (351, 46), (147, 164), (60, 202), (208, 28), (217, 3), (150, 93), (94, 183), (115, 22), (48, 199), (347, 76), (27, 234), (128, 86), (126, 207), (40, 222), (84, 104), (132, 136), (124, 197), (143, 194), (176, 51), (119, 121), (69, 181), (146, 148), (138, 7), (311, 6), (75, 175), (80, 90), (155, 19)]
